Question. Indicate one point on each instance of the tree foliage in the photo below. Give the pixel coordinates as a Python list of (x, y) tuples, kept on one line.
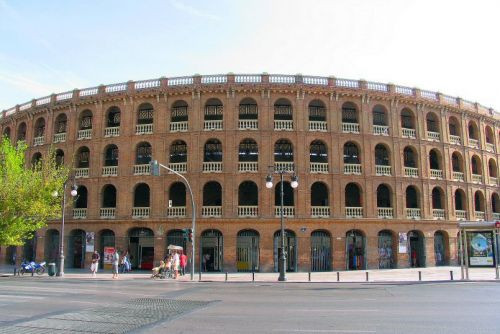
[(27, 198)]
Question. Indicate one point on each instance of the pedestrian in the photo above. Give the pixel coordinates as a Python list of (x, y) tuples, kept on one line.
[(95, 263), (184, 259), (176, 264), (116, 261)]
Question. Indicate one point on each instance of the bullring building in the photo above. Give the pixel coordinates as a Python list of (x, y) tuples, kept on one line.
[(375, 163)]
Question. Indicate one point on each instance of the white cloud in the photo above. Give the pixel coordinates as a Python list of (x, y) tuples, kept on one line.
[(193, 11)]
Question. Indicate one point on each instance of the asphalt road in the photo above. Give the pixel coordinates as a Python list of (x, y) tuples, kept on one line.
[(52, 305)]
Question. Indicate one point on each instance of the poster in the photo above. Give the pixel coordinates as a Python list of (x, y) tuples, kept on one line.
[(108, 255), (403, 242), (480, 247), (89, 242)]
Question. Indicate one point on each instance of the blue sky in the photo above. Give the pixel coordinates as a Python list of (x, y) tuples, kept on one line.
[(55, 46)]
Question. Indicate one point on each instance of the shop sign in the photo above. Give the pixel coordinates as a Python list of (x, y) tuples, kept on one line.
[(403, 242), (108, 255), (480, 249)]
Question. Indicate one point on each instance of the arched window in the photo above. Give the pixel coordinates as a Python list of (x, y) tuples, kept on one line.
[(407, 119), (495, 206), (382, 155), (61, 123), (179, 111), (473, 130), (459, 199), (21, 132), (434, 160), (409, 157), (319, 194), (454, 126), (141, 196), (248, 151), (178, 152), (143, 154), (36, 160), (80, 201), (145, 114), (109, 196), (213, 110), (476, 165), (39, 127), (379, 115), (85, 122), (479, 201), (177, 194), (383, 196), (412, 201), (318, 152), (317, 111), (456, 162), (212, 194), (111, 155), (352, 195), (288, 196), (490, 138), (113, 117), (283, 151), (248, 109), (83, 157), (248, 194), (351, 153), (212, 151), (283, 110), (349, 113), (437, 198), (492, 168), (59, 157), (432, 122)]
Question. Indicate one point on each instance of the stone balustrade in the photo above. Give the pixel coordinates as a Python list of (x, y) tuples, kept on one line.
[(318, 126), (288, 211), (411, 172), (211, 211), (110, 171), (143, 169), (436, 174), (474, 143), (176, 212), (438, 213), (212, 167), (179, 126), (213, 125), (59, 137), (141, 212), (79, 213), (461, 214), (107, 213), (144, 129), (479, 215), (248, 166), (385, 213), (283, 125), (84, 134), (381, 170), (353, 212), (458, 176), (81, 172), (350, 127), (354, 169), (381, 130), (476, 178), (37, 141), (409, 133), (248, 211), (455, 140), (318, 167), (413, 213), (179, 167), (434, 136), (284, 165), (490, 147), (248, 124), (112, 131), (320, 211)]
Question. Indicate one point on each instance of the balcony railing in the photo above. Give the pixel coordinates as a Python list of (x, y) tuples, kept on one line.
[(248, 167), (81, 172), (179, 126), (284, 165), (211, 211), (176, 212), (288, 211), (458, 176), (493, 181), (476, 178), (317, 126), (352, 169), (84, 134), (496, 215), (350, 127), (144, 169), (490, 147), (213, 125), (60, 137), (386, 213), (318, 167), (412, 213), (411, 172), (438, 213), (212, 167), (383, 170), (248, 124), (144, 129), (286, 125), (248, 210), (382, 130), (455, 140), (433, 136), (141, 212), (320, 211), (107, 213), (179, 167), (80, 213), (461, 214), (353, 212), (474, 143), (110, 171), (112, 131), (409, 133), (479, 215), (38, 141), (436, 174)]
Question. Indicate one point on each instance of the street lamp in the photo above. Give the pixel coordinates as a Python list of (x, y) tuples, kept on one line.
[(269, 185), (155, 171), (60, 269)]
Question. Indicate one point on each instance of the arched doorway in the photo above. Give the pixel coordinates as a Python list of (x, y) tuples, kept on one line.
[(29, 249), (52, 246), (416, 249), (440, 248), (76, 249), (321, 251), (211, 251), (247, 251), (141, 248), (106, 239), (290, 250), (176, 237), (355, 243), (386, 259)]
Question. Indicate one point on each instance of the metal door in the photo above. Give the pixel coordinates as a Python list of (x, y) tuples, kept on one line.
[(290, 249), (321, 259), (211, 251), (247, 251)]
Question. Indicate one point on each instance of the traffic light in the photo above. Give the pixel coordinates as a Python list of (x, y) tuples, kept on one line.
[(155, 167)]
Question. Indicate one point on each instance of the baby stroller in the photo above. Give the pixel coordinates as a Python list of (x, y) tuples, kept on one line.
[(162, 271)]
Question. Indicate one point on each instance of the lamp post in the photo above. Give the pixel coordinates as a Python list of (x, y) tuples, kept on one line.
[(155, 171), (269, 185), (60, 269)]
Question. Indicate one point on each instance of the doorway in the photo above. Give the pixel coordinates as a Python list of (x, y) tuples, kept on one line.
[(247, 251), (76, 249), (290, 250), (416, 249), (211, 251), (321, 251), (141, 248), (355, 250)]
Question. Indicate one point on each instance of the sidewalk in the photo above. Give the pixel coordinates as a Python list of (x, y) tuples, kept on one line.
[(430, 274)]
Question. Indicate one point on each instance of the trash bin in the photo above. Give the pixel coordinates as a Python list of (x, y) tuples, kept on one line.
[(52, 269)]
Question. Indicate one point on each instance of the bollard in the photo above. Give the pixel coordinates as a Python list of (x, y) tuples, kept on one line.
[(226, 276), (338, 276), (451, 275), (15, 269), (419, 275), (253, 277), (367, 276), (199, 275), (309, 276)]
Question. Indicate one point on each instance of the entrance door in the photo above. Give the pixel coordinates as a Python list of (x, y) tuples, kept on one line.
[(385, 250), (290, 250), (439, 249), (76, 249), (141, 248), (355, 251), (416, 249), (321, 251), (211, 251), (247, 251)]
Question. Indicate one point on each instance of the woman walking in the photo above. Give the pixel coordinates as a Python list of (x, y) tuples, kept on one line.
[(95, 263)]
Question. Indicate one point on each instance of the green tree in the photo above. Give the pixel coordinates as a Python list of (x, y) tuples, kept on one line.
[(27, 198)]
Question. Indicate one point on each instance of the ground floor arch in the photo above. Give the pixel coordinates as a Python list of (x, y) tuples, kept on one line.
[(141, 248), (441, 248), (416, 249), (177, 238), (106, 240), (76, 249), (386, 250), (321, 251), (355, 244), (211, 251), (247, 251), (290, 250), (51, 247)]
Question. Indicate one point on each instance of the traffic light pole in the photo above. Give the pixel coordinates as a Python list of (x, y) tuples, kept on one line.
[(156, 172)]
